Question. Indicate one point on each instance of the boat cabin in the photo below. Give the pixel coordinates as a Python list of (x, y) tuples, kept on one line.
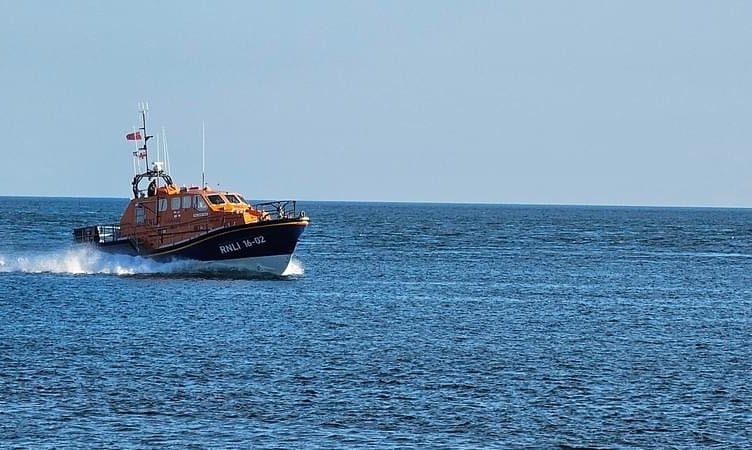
[(165, 214)]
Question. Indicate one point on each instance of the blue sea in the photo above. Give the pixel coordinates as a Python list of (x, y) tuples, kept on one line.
[(410, 326)]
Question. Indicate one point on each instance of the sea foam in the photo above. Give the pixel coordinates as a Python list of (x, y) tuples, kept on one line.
[(82, 260), (88, 261)]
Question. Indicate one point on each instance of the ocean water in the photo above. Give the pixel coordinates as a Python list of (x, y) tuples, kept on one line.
[(397, 326)]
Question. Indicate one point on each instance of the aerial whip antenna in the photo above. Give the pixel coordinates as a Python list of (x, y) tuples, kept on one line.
[(165, 151), (203, 155)]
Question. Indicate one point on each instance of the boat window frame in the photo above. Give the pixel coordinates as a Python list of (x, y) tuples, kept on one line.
[(210, 198), (187, 201), (237, 198), (199, 203), (162, 204), (173, 205), (139, 213)]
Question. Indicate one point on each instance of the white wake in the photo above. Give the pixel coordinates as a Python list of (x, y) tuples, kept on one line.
[(82, 260), (87, 260), (294, 268)]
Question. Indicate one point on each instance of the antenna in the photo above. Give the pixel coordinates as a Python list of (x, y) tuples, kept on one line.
[(203, 155), (143, 108), (159, 149), (136, 164), (165, 151)]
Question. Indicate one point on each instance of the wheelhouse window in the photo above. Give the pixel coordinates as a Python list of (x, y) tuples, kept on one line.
[(187, 201), (198, 203), (232, 198), (175, 203), (163, 204), (216, 199)]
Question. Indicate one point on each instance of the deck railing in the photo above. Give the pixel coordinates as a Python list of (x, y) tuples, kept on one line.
[(280, 209), (100, 234)]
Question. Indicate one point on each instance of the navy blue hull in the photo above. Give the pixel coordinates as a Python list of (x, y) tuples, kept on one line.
[(272, 238), (244, 241)]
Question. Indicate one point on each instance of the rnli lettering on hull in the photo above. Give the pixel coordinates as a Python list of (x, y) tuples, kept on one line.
[(239, 245)]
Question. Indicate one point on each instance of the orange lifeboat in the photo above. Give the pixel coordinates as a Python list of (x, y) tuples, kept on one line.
[(165, 222)]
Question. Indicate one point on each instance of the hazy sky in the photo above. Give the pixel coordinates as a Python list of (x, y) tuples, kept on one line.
[(553, 102)]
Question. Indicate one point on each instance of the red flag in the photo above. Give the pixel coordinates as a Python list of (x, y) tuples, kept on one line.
[(135, 136)]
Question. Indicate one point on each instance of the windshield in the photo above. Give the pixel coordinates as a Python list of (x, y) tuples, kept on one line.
[(215, 199), (232, 198)]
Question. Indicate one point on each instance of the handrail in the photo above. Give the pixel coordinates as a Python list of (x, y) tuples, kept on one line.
[(101, 234), (279, 209)]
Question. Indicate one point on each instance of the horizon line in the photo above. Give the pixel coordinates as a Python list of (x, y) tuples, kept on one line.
[(437, 202)]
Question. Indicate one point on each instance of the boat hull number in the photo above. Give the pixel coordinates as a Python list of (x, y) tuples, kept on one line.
[(241, 244)]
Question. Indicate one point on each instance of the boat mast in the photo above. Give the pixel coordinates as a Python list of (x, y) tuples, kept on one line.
[(143, 109), (136, 164)]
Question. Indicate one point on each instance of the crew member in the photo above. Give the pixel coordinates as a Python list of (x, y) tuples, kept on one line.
[(152, 188)]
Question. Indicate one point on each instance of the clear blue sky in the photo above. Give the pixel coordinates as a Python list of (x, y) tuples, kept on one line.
[(553, 102)]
